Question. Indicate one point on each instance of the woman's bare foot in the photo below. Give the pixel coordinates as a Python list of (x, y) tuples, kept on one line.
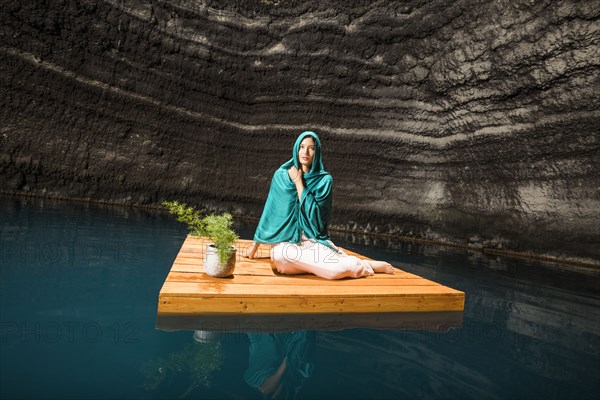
[(250, 252), (382, 267)]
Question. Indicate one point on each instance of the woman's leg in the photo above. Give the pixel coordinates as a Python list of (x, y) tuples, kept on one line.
[(271, 386), (319, 260), (282, 262)]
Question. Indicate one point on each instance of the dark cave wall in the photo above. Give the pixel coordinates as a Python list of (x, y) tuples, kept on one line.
[(464, 121)]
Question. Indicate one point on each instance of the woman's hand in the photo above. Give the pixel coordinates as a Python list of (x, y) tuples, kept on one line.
[(295, 174), (251, 251)]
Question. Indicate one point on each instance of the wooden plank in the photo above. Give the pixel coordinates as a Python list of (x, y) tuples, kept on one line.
[(205, 288), (299, 280), (245, 266), (182, 269), (178, 305), (258, 270)]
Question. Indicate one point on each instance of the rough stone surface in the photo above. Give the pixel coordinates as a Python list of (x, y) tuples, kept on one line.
[(463, 121)]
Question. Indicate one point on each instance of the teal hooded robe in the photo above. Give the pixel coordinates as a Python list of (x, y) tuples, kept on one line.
[(285, 217)]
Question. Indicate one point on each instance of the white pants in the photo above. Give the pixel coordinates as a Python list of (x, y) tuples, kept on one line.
[(314, 258)]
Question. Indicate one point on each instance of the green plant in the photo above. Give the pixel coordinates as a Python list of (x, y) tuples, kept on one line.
[(196, 364), (216, 227)]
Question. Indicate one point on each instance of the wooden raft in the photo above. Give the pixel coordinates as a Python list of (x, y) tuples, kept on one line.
[(256, 289)]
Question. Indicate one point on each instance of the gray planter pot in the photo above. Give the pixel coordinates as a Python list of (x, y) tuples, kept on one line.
[(214, 267), (201, 336)]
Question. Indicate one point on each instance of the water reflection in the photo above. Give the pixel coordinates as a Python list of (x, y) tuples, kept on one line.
[(187, 369), (279, 364), (531, 329), (441, 321)]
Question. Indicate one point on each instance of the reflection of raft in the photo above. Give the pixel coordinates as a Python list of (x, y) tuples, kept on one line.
[(256, 289)]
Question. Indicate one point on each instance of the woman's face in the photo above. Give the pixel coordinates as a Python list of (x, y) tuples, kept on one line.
[(306, 152)]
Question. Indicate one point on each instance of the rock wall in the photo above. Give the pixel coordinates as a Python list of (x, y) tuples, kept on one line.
[(464, 121)]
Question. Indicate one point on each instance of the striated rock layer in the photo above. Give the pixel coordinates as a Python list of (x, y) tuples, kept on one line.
[(465, 121)]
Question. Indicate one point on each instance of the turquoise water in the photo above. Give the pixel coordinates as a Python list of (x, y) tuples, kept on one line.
[(78, 295)]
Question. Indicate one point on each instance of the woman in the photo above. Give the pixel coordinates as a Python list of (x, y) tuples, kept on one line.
[(296, 218)]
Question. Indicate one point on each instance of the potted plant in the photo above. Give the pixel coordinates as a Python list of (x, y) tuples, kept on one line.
[(219, 259)]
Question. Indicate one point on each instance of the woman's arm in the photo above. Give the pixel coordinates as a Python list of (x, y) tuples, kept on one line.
[(315, 206), (296, 176)]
